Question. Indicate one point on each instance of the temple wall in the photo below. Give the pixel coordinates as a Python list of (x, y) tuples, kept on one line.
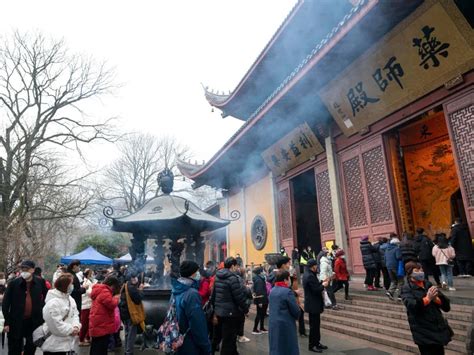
[(258, 203), (235, 235)]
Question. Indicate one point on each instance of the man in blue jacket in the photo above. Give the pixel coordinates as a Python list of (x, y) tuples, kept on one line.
[(191, 318), (393, 256)]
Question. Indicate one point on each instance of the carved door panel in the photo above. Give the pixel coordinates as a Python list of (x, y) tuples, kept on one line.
[(459, 114), (367, 197), (285, 214), (323, 191)]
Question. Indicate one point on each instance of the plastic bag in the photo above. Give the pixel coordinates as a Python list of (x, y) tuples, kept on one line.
[(327, 300), (401, 269)]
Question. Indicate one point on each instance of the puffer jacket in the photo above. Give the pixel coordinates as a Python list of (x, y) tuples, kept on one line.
[(325, 268), (427, 323), (442, 256), (230, 295), (191, 317), (423, 247), (368, 250), (58, 305), (86, 297), (102, 314), (408, 251), (392, 256)]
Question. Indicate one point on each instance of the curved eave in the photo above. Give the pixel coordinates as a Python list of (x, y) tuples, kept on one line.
[(350, 20), (179, 226), (221, 100)]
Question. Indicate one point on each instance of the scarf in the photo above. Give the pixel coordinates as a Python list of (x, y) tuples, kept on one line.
[(281, 284)]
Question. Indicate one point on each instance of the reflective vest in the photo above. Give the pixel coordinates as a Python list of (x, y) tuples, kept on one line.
[(303, 260)]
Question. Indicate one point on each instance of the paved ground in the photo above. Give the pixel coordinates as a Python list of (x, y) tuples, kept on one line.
[(338, 344)]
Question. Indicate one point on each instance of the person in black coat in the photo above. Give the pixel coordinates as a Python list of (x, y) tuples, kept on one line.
[(381, 267), (22, 308), (230, 303), (461, 242), (368, 250), (407, 248), (314, 305), (423, 247), (78, 291), (260, 298), (424, 303)]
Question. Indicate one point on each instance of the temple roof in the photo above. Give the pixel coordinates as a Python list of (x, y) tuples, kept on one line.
[(294, 99), (308, 19), (168, 215)]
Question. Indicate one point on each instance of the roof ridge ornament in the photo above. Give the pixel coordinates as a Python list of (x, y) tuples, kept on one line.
[(166, 181)]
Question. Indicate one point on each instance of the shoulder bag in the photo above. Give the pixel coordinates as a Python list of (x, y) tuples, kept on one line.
[(40, 335), (450, 261)]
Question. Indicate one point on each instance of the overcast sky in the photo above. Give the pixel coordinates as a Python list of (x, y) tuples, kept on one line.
[(162, 51)]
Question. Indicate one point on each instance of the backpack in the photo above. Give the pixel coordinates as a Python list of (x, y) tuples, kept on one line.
[(169, 337)]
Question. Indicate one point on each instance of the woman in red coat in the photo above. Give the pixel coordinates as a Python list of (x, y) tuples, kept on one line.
[(105, 298), (342, 275)]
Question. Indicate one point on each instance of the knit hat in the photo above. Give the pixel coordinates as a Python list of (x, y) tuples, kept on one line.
[(340, 253), (312, 262), (187, 268), (364, 238), (27, 264), (394, 241)]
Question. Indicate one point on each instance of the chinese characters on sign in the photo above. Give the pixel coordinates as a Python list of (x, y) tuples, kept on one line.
[(412, 60), (429, 47), (293, 149)]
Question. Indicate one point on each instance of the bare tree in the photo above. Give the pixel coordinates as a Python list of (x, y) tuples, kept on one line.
[(42, 88), (132, 178)]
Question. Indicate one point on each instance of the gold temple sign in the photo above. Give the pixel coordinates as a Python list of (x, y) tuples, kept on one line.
[(419, 55), (293, 149)]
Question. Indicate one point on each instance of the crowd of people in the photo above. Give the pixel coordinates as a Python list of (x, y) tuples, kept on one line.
[(385, 259), (89, 309)]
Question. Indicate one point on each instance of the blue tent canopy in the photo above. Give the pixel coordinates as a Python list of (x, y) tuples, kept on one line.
[(88, 256)]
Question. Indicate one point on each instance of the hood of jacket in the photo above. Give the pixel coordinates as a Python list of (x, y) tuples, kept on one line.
[(56, 294), (98, 289), (183, 284), (391, 246)]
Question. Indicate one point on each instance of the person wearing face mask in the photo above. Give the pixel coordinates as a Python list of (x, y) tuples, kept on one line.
[(424, 303), (342, 275), (84, 339), (230, 304), (191, 317), (73, 269), (61, 318), (284, 311), (132, 312), (22, 309), (105, 299)]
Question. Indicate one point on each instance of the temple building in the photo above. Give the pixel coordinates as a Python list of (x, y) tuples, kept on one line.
[(358, 120)]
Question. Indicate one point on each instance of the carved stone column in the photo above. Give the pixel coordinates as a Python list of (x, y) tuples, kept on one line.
[(199, 249), (137, 251), (176, 249), (159, 255)]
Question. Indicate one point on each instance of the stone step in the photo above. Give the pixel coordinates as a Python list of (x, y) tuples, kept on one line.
[(397, 313), (340, 317), (393, 305), (458, 326), (455, 347), (382, 298)]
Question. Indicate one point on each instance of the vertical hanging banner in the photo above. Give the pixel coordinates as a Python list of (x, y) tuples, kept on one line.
[(292, 150), (431, 47)]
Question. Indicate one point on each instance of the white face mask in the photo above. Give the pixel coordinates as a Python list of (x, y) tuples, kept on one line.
[(197, 277), (70, 289), (26, 275)]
